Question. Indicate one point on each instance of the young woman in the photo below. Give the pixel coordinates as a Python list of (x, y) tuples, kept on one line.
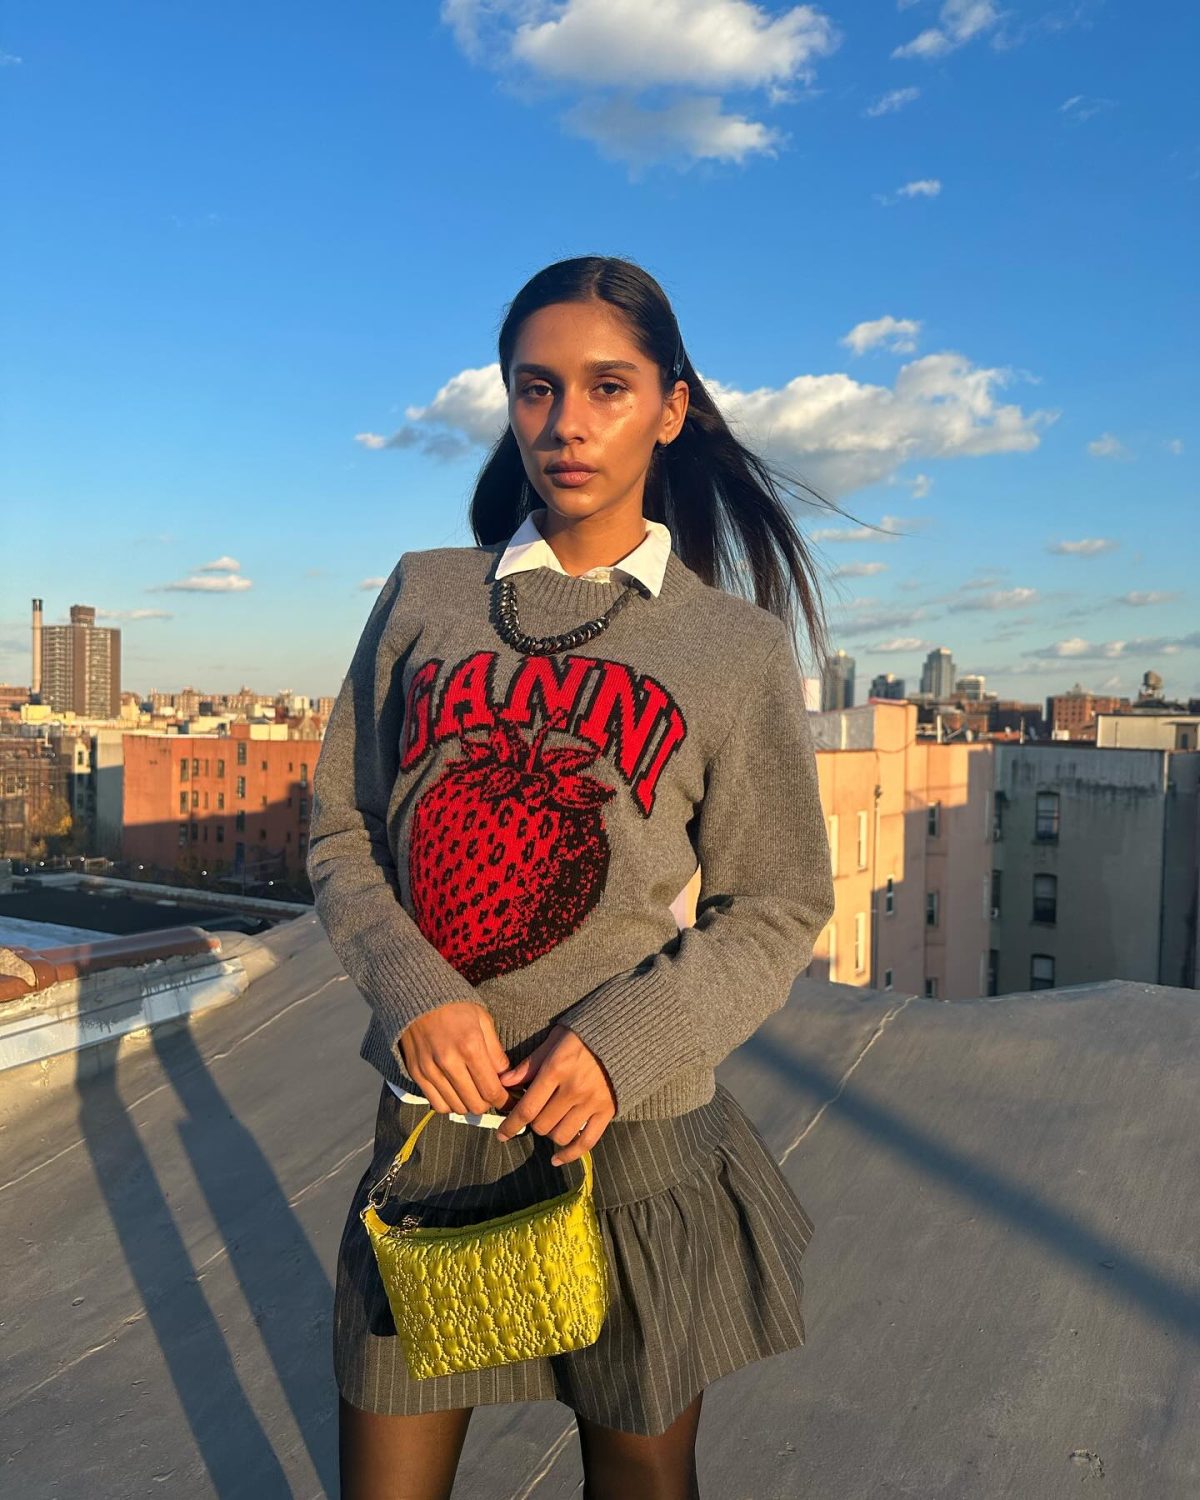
[(538, 739)]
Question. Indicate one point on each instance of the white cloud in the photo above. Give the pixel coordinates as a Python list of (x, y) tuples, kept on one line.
[(134, 614), (1108, 446), (867, 617), (901, 643), (1143, 646), (899, 334), (859, 570), (837, 433), (608, 52), (959, 22), (686, 130), (210, 583), (1175, 445), (1079, 108), (995, 599), (628, 44), (1140, 598), (923, 187), (9, 60), (374, 584), (890, 529), (890, 102), (221, 565), (1088, 546)]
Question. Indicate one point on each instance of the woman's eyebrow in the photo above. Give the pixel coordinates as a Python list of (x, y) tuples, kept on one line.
[(592, 366)]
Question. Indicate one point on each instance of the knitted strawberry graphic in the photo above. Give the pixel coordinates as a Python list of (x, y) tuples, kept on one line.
[(507, 852)]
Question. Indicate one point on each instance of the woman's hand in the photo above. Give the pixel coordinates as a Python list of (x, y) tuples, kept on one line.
[(566, 1092), (453, 1053)]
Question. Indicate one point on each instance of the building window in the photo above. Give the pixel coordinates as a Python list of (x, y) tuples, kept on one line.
[(860, 941), (934, 822), (1046, 827), (931, 908), (862, 841), (220, 801), (182, 835), (195, 799), (998, 802), (1045, 898), (997, 887), (303, 808), (303, 773), (183, 769), (889, 897), (264, 765), (239, 821), (993, 970), (887, 979), (220, 769), (241, 786), (183, 802), (931, 989), (1041, 972), (195, 832), (196, 766), (220, 833), (833, 844), (241, 755)]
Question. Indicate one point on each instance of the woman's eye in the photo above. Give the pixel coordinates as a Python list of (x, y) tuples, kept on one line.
[(537, 387)]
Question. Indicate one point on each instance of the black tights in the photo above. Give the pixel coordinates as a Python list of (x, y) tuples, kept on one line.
[(416, 1458)]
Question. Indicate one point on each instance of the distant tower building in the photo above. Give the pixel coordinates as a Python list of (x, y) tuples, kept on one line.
[(887, 686), (971, 687), (35, 685), (937, 675), (78, 666), (837, 683)]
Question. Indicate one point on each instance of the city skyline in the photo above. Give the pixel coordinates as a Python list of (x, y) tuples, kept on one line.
[(253, 358)]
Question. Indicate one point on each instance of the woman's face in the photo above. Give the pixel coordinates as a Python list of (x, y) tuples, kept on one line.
[(581, 389)]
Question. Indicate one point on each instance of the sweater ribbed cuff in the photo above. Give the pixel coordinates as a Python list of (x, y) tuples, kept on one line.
[(636, 1027)]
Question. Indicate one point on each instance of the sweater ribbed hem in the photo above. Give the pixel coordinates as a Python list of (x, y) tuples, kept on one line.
[(686, 1090)]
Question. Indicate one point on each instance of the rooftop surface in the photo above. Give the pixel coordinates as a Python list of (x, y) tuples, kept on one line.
[(1002, 1294)]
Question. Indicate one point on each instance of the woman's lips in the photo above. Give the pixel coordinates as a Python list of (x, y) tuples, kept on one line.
[(571, 477)]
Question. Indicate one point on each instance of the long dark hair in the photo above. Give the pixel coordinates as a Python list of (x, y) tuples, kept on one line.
[(722, 503)]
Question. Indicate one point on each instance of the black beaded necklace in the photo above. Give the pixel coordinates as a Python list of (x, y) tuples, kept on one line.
[(508, 625)]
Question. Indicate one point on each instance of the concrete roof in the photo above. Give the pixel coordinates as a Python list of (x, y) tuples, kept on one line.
[(1002, 1294)]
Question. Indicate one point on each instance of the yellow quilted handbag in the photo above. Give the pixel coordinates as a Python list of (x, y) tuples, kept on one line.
[(529, 1283)]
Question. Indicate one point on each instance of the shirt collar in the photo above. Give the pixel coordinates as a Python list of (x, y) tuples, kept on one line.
[(528, 548)]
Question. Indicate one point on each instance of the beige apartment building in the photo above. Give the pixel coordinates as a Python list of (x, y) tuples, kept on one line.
[(910, 836)]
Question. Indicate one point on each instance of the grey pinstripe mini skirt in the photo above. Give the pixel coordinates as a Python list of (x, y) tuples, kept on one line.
[(704, 1237)]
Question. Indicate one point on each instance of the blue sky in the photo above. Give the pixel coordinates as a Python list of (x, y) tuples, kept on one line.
[(937, 258)]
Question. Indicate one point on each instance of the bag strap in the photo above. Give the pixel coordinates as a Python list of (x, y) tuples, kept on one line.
[(378, 1194)]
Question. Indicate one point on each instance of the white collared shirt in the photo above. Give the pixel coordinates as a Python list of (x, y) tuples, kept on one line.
[(528, 548)]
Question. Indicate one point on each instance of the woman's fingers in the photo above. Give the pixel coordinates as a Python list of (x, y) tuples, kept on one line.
[(594, 1128)]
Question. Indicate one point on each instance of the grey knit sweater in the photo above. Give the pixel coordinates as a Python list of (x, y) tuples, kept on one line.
[(512, 829)]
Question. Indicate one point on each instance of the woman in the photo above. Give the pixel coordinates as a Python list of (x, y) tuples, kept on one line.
[(537, 740)]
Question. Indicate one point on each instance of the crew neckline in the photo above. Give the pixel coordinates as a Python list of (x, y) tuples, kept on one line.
[(552, 590)]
